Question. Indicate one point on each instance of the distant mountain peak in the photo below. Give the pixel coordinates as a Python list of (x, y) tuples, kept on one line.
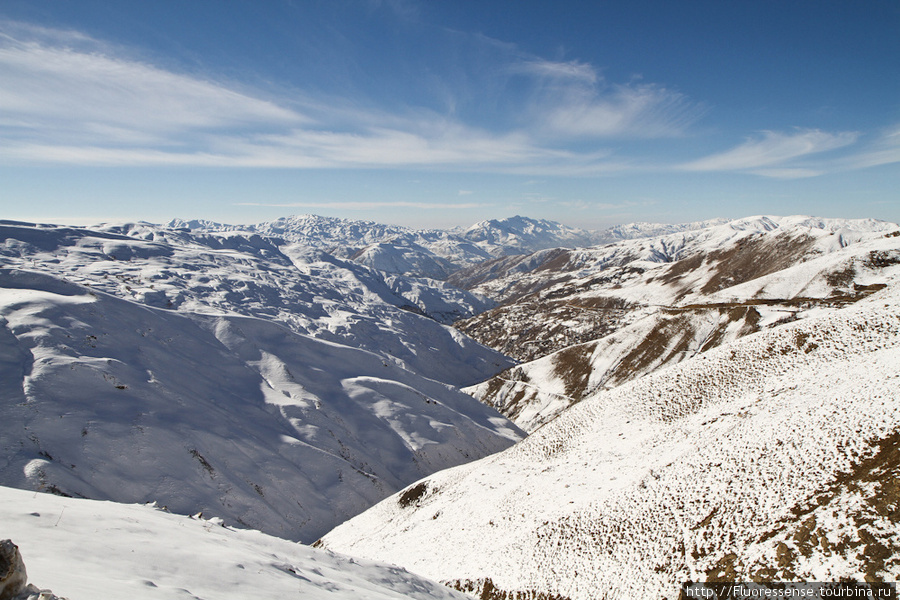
[(438, 253)]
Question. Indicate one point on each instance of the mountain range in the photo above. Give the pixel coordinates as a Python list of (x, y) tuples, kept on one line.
[(432, 253), (589, 319), (215, 373), (530, 410)]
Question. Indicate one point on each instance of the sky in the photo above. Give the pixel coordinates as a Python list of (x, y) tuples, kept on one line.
[(444, 113)]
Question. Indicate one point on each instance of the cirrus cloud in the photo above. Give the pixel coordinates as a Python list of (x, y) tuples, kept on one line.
[(66, 91), (571, 99), (70, 99), (773, 154)]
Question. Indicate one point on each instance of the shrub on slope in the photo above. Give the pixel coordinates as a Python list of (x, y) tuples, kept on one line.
[(774, 457)]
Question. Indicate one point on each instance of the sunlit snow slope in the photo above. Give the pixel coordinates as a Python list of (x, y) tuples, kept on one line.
[(308, 290), (85, 550), (423, 252), (593, 319), (434, 253), (776, 456)]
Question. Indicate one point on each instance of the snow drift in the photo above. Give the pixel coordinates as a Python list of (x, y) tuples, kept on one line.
[(85, 550)]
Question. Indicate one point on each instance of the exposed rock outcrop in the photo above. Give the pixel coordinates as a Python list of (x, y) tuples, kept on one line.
[(14, 578)]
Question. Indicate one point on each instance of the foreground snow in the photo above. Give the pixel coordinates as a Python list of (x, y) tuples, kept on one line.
[(85, 550), (773, 457)]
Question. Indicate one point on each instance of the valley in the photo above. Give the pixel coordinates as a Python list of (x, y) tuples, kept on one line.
[(516, 409)]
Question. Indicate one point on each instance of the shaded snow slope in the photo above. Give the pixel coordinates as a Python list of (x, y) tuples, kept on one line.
[(773, 457), (236, 416), (85, 549), (601, 317), (308, 290)]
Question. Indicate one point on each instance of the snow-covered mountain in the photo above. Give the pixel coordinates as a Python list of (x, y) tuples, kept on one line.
[(708, 400), (771, 457), (391, 249), (432, 253), (308, 290), (236, 416), (85, 550), (594, 318), (521, 235), (631, 231), (217, 373)]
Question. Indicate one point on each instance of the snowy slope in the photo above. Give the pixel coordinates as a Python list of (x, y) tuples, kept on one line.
[(398, 250), (432, 253), (632, 231), (677, 267), (522, 235), (596, 318), (534, 393), (85, 549), (237, 416), (771, 457), (308, 290)]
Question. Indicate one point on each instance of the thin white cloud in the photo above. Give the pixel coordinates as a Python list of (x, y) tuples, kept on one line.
[(34, 153), (307, 149), (884, 151), (572, 70), (376, 146), (572, 100), (642, 111), (774, 154), (68, 99), (84, 94), (789, 173)]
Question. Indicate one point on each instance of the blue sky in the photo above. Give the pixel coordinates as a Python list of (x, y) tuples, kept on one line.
[(443, 113)]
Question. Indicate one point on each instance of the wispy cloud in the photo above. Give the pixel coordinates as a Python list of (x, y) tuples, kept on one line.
[(415, 145), (571, 99), (66, 86), (70, 99), (570, 70), (885, 150), (641, 111), (775, 154)]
